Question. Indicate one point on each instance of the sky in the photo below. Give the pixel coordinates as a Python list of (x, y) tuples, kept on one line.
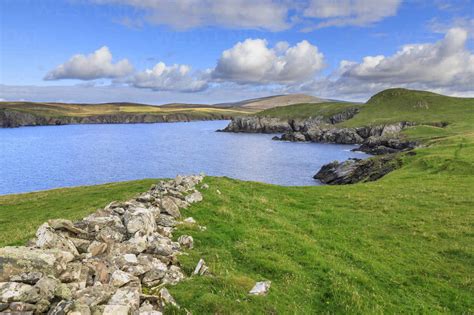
[(206, 51)]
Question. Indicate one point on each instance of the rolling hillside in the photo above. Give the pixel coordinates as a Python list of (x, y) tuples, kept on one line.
[(274, 101), (14, 114)]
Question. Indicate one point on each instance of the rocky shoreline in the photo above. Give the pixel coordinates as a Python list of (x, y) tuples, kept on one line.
[(99, 265), (375, 140), (12, 119)]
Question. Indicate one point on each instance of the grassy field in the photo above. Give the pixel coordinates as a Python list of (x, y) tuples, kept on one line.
[(403, 244), (84, 110), (308, 110)]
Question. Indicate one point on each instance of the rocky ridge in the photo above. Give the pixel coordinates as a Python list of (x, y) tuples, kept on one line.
[(99, 265), (263, 124), (13, 118)]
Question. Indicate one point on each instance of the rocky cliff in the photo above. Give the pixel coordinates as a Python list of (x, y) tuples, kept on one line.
[(100, 264), (262, 124), (13, 118)]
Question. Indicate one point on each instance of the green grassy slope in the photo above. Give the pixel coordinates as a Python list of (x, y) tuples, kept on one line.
[(395, 105), (308, 110), (84, 110)]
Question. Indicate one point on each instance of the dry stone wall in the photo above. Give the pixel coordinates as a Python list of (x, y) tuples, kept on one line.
[(100, 264)]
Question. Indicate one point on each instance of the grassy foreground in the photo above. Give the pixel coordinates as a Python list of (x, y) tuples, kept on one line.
[(403, 244)]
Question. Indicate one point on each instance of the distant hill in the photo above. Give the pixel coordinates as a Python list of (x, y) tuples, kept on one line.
[(394, 105), (15, 114), (274, 101)]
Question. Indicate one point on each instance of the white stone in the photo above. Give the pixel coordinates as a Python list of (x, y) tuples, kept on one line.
[(130, 258), (260, 288)]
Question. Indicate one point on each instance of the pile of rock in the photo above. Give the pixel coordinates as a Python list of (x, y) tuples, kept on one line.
[(98, 265)]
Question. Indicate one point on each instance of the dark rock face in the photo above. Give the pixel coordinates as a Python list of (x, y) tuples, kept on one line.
[(381, 139), (356, 170), (256, 124), (11, 118)]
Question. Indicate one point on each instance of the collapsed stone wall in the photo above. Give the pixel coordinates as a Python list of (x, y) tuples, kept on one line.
[(99, 265)]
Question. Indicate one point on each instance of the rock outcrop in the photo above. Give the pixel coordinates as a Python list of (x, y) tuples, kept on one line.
[(100, 264), (380, 139), (13, 118), (356, 170), (263, 124)]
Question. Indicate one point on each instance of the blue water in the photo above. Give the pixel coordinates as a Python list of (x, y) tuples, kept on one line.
[(38, 158)]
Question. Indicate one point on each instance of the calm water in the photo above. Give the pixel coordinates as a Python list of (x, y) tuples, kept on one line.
[(38, 158)]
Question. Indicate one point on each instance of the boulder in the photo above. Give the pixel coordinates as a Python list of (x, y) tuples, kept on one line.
[(169, 207), (18, 260), (47, 238), (18, 292), (139, 220)]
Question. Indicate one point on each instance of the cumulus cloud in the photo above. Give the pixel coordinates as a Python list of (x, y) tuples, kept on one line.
[(252, 61), (350, 12), (444, 63), (445, 66), (185, 14), (169, 78), (89, 67)]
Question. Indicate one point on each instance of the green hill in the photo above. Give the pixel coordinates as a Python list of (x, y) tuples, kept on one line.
[(395, 105)]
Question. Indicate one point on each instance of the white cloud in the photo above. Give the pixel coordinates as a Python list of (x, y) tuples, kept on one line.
[(350, 12), (444, 63), (184, 14), (252, 61), (89, 67), (272, 15), (445, 67), (168, 78)]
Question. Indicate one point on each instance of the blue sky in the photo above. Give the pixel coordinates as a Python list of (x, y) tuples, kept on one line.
[(38, 36)]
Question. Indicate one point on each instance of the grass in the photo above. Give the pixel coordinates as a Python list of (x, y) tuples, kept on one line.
[(84, 110), (325, 110), (403, 244)]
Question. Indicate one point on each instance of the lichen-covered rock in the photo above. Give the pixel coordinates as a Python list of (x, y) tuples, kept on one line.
[(18, 292), (169, 207), (194, 197), (186, 241), (139, 220), (47, 238), (18, 260)]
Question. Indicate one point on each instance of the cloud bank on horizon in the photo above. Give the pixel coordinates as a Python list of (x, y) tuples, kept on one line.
[(259, 66)]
